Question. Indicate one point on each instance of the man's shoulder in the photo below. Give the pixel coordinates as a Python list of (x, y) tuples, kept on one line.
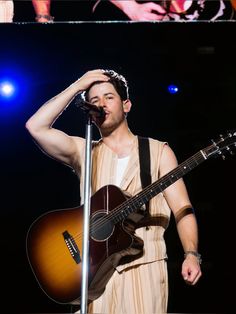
[(155, 141)]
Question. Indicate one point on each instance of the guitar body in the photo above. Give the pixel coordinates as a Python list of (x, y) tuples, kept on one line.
[(54, 247)]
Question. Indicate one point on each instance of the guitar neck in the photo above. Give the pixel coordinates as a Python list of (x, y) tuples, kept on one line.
[(137, 201)]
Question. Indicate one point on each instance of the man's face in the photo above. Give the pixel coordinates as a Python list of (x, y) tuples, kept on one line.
[(105, 95)]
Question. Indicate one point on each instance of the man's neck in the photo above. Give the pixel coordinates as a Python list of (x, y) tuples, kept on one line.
[(121, 141)]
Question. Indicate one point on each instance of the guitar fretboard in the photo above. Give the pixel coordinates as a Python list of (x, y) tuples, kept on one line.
[(137, 201)]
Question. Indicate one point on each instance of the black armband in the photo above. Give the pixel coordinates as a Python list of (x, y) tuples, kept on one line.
[(182, 212)]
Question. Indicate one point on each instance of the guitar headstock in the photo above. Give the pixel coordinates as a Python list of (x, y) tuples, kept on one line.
[(224, 144)]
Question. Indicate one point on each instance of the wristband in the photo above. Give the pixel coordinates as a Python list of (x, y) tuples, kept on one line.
[(196, 254), (47, 17)]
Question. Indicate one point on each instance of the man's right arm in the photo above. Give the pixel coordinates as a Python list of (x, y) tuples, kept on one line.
[(54, 142)]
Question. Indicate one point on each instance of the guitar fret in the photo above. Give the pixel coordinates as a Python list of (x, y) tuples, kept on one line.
[(153, 189)]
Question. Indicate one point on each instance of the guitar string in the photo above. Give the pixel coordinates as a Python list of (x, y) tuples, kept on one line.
[(135, 202), (136, 199), (195, 159)]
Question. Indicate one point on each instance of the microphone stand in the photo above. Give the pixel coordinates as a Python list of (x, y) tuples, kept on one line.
[(91, 111), (87, 203)]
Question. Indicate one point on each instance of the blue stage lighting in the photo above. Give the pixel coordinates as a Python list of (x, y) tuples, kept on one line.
[(13, 91), (6, 89), (173, 89)]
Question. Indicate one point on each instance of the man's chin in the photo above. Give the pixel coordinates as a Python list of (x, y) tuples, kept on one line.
[(106, 128)]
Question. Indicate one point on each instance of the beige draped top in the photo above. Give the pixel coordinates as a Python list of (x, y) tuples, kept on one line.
[(104, 162)]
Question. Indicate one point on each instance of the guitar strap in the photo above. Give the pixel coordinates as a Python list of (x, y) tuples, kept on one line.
[(146, 179), (145, 162)]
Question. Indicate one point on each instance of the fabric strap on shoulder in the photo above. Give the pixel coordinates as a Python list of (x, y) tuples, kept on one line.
[(143, 218), (145, 164)]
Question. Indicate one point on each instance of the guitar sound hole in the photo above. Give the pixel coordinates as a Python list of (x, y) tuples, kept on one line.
[(101, 228)]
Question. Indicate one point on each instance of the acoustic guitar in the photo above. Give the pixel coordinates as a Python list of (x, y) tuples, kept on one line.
[(54, 240)]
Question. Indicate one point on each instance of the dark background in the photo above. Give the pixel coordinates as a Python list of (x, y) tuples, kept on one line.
[(44, 59), (61, 10)]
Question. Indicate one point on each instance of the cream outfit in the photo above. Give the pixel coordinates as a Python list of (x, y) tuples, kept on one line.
[(140, 286)]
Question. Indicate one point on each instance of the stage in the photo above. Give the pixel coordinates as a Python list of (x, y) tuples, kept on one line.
[(199, 58)]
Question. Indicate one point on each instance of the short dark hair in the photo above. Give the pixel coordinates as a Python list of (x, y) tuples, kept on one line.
[(117, 80)]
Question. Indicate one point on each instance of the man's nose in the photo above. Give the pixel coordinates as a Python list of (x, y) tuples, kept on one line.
[(102, 103)]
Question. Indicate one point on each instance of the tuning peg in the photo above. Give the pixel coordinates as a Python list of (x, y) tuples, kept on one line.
[(232, 133), (222, 137)]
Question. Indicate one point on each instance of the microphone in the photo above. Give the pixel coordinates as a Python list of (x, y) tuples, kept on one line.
[(90, 109)]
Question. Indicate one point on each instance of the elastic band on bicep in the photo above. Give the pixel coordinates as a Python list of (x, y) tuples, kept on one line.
[(182, 212)]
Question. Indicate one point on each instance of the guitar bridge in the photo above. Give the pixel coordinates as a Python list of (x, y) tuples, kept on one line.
[(72, 247)]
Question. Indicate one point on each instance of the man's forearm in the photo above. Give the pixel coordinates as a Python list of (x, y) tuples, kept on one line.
[(188, 233), (49, 112), (42, 6)]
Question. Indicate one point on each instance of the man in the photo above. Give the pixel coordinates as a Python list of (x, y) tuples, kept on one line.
[(140, 285)]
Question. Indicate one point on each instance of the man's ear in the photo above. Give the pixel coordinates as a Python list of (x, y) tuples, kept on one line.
[(127, 105)]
